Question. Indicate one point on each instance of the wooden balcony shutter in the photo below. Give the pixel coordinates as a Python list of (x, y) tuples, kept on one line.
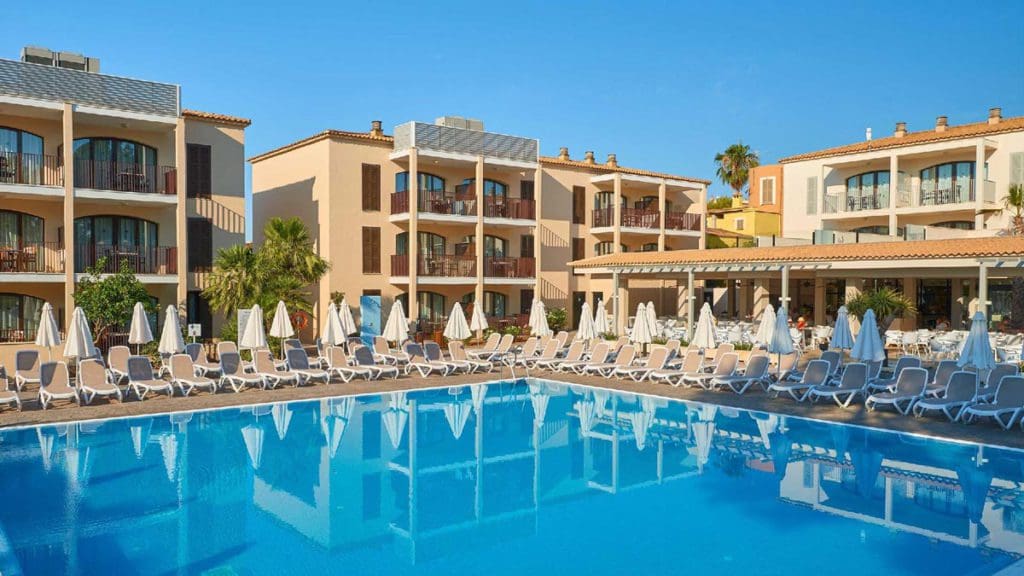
[(526, 245), (200, 244), (578, 204), (526, 189), (199, 170), (371, 187), (578, 248), (371, 250)]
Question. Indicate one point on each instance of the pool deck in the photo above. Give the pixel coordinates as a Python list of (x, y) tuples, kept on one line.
[(982, 432)]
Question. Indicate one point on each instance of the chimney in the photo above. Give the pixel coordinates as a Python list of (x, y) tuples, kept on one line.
[(867, 134), (563, 153), (901, 130), (588, 156), (995, 115), (941, 123), (611, 162), (375, 128)]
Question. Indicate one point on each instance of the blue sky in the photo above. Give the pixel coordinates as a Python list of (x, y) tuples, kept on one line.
[(664, 85)]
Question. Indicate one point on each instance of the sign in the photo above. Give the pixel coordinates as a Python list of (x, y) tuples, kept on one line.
[(243, 319), (195, 330)]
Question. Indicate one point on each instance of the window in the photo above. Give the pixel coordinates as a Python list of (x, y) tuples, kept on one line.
[(491, 187), (526, 245), (371, 187), (578, 248), (99, 237), (430, 305), (371, 250), (602, 248), (649, 247), (428, 182), (868, 191), (525, 300), (18, 230), (578, 202), (198, 312), (1017, 168), (21, 157), (200, 244), (596, 298), (647, 203), (199, 171), (767, 192), (604, 200), (949, 183), (526, 189), (740, 224), (115, 164), (956, 224), (494, 303), (19, 317), (812, 195), (429, 243)]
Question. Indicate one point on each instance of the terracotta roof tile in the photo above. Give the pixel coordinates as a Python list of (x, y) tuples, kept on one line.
[(923, 137), (723, 233), (555, 161), (988, 247), (222, 118), (338, 134)]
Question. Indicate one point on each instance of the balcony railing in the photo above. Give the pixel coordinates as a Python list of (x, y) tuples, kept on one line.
[(630, 218), (434, 203), (504, 207), (35, 257), (831, 204), (442, 265), (939, 196), (121, 177), (682, 221), (31, 169), (502, 267), (856, 203), (139, 259)]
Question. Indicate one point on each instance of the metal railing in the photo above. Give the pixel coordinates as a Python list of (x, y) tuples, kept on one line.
[(30, 169), (400, 203), (434, 203), (399, 264), (831, 204), (504, 207), (446, 265), (139, 259), (629, 218), (32, 257), (682, 221), (121, 177), (955, 194), (856, 203), (507, 267)]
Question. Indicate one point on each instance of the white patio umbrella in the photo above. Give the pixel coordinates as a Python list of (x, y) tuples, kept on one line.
[(766, 329), (348, 323), (782, 342), (588, 415), (47, 335), (703, 433), (478, 321), (854, 325), (282, 416), (397, 328), (79, 341), (977, 349), (395, 418), (652, 318), (140, 431), (539, 400), (587, 330), (842, 338), (171, 341), (169, 450), (336, 420), (868, 346), (281, 326), (457, 328), (601, 319), (704, 333), (766, 425), (539, 319), (254, 337), (457, 414), (641, 421), (252, 436), (139, 332), (641, 333), (332, 333), (478, 392)]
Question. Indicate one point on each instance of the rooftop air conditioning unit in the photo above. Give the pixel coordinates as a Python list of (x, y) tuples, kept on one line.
[(474, 124), (77, 62), (37, 55)]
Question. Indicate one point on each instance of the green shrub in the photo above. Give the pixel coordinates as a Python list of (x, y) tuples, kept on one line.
[(557, 318)]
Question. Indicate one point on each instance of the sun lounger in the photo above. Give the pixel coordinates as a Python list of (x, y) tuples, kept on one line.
[(756, 372), (943, 371), (202, 364), (622, 360), (8, 396), (889, 383), (93, 382), (26, 368), (363, 358), (1009, 401), (298, 362), (988, 389), (655, 361), (418, 361), (961, 391), (382, 353), (548, 354), (692, 363), (853, 383), (575, 353), (433, 354), (233, 374), (726, 367), (720, 352), (910, 387), (598, 355), (528, 350), (183, 375), (55, 384), (269, 374), (117, 363), (141, 379), (815, 374), (228, 347), (338, 365), (489, 346), (458, 354)]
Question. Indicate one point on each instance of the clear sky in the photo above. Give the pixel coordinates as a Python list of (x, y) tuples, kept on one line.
[(664, 85)]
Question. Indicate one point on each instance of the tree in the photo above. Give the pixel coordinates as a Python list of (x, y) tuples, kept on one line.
[(288, 246), (887, 303), (1014, 202), (108, 300), (734, 166), (719, 202)]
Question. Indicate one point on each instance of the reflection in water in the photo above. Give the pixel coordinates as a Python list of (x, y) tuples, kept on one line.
[(515, 477)]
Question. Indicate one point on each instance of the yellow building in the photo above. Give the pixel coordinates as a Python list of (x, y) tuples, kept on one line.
[(740, 224)]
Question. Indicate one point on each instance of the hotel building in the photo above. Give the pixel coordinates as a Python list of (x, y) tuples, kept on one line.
[(448, 212), (924, 212), (100, 168)]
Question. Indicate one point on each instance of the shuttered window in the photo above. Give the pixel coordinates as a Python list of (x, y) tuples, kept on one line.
[(578, 248), (198, 170), (526, 245), (371, 186), (526, 189), (812, 195), (525, 300), (200, 244), (1017, 168), (578, 205), (371, 250), (198, 312)]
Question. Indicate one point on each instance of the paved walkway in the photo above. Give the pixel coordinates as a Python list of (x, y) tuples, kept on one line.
[(984, 432)]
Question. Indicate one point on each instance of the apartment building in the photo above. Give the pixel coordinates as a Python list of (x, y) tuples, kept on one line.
[(448, 212), (760, 215), (96, 168)]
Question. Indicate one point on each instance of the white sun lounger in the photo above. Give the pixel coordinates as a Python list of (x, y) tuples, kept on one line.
[(853, 383), (298, 362), (418, 362), (575, 353), (909, 389), (233, 374), (55, 384), (815, 374), (598, 355), (93, 382), (141, 379), (692, 364), (183, 375), (26, 368), (756, 372), (726, 366), (961, 391), (458, 354), (363, 358), (1009, 401), (623, 359), (655, 361), (269, 374)]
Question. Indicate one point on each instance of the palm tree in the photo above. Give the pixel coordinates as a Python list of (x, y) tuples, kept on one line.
[(1014, 202), (288, 246), (235, 281), (734, 166), (887, 303)]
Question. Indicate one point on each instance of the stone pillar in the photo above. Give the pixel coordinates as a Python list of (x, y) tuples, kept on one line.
[(68, 134), (983, 288), (819, 301), (761, 298), (910, 290), (703, 212), (538, 176), (894, 175), (784, 291), (617, 214), (690, 302), (478, 240), (854, 286), (662, 187), (979, 185), (181, 215), (413, 243), (743, 297)]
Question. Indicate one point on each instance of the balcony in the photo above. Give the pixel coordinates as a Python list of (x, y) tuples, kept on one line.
[(121, 177), (856, 203), (502, 267), (512, 208), (32, 258), (686, 221), (139, 259), (434, 203), (464, 266), (30, 169)]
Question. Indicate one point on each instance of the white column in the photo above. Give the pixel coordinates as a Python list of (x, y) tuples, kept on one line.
[(702, 241), (69, 209), (894, 175), (537, 197), (662, 216), (983, 288), (690, 280), (181, 216), (413, 243), (617, 214), (979, 185), (615, 300), (784, 294), (478, 186)]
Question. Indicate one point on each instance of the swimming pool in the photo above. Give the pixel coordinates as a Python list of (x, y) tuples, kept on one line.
[(510, 478)]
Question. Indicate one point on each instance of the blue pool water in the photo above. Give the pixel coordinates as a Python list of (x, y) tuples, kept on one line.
[(512, 478)]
